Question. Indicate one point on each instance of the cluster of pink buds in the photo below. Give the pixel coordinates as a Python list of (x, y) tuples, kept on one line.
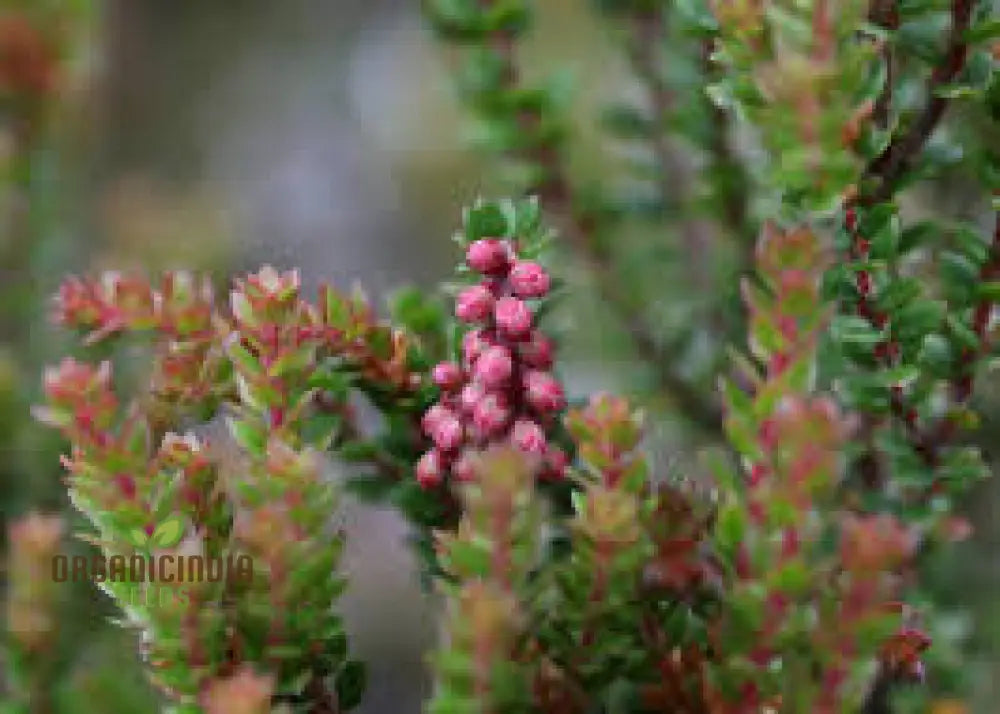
[(503, 391)]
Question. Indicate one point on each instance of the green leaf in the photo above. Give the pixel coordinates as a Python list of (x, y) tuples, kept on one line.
[(960, 276), (248, 436), (990, 290), (468, 559), (900, 376), (137, 537), (885, 242), (897, 293), (936, 355), (292, 361), (963, 466), (169, 532), (791, 578), (963, 334), (865, 392), (958, 91), (983, 31), (731, 526), (242, 359), (918, 234), (854, 330), (919, 318), (698, 16), (485, 221)]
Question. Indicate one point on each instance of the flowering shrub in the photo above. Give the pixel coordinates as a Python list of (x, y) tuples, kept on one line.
[(578, 574)]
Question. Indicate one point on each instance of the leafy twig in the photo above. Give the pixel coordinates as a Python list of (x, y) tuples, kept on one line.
[(885, 170)]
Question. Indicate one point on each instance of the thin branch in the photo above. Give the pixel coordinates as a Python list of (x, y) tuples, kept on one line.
[(885, 14), (877, 185), (942, 432), (897, 158)]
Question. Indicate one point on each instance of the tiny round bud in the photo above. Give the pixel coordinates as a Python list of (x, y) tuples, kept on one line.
[(470, 396), (448, 433), (473, 344), (430, 469), (474, 304), (543, 391), (490, 415), (513, 317), (494, 367), (529, 279), (487, 255), (433, 417), (536, 351), (527, 436), (447, 375)]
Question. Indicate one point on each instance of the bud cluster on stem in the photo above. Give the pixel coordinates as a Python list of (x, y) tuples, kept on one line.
[(503, 390)]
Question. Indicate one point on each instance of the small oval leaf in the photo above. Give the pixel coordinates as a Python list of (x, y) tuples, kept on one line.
[(169, 532)]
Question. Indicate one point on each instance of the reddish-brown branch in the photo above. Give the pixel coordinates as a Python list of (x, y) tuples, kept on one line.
[(877, 185), (896, 159), (944, 429), (885, 13)]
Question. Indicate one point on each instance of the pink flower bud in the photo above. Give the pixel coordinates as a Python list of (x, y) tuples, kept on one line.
[(472, 394), (543, 391), (473, 344), (527, 436), (448, 433), (487, 255), (529, 280), (474, 304), (536, 351), (513, 317), (447, 375), (490, 415), (433, 417), (429, 469), (494, 367)]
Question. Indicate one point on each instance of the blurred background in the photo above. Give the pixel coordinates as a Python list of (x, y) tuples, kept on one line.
[(322, 135)]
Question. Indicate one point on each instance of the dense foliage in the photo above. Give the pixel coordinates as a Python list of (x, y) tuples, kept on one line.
[(827, 356)]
